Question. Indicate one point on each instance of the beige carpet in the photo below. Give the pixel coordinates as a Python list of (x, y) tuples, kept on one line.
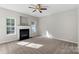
[(50, 46)]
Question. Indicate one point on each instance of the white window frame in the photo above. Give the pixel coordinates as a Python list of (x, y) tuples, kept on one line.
[(14, 33), (35, 27)]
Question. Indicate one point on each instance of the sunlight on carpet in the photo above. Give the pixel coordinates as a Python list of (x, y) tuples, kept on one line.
[(31, 45), (34, 45), (22, 43)]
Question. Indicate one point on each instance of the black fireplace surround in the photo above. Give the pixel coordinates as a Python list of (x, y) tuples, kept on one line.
[(24, 34)]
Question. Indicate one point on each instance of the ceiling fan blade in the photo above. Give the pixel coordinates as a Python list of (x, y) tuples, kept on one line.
[(32, 7), (43, 8), (34, 10)]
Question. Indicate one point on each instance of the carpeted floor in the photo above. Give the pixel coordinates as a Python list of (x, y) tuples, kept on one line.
[(49, 46)]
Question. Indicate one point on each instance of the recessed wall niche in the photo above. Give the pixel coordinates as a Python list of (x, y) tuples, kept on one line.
[(24, 21)]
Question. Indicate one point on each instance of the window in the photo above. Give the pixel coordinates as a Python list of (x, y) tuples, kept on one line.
[(33, 27), (10, 25)]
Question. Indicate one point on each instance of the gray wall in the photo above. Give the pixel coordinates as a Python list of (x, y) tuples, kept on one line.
[(62, 25), (4, 13)]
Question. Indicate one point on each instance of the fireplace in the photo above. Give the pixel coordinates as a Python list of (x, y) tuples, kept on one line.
[(24, 34)]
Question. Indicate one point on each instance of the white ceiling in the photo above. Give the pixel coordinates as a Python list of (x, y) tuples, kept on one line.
[(51, 8)]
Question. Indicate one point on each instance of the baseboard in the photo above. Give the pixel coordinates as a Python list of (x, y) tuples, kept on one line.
[(67, 40), (4, 42)]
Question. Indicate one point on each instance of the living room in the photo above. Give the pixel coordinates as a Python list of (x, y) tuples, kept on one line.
[(30, 30)]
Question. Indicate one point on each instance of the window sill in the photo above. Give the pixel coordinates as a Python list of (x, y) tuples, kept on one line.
[(10, 34)]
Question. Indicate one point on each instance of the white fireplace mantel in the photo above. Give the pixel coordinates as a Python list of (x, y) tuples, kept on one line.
[(23, 27)]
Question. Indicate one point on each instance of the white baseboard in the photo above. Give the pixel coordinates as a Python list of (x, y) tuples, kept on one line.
[(63, 39), (66, 40)]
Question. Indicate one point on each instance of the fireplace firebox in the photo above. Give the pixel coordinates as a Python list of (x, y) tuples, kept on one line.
[(24, 34)]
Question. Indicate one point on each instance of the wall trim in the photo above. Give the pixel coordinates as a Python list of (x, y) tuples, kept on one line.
[(66, 40)]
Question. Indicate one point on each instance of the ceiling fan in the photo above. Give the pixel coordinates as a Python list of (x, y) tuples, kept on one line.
[(38, 7)]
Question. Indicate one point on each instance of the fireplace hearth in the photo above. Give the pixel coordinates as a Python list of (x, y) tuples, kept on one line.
[(24, 34)]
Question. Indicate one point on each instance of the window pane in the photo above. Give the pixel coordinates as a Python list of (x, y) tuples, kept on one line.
[(8, 32), (8, 22), (10, 26), (33, 28), (12, 22)]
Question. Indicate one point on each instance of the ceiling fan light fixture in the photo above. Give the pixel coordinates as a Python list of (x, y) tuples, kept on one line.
[(38, 7)]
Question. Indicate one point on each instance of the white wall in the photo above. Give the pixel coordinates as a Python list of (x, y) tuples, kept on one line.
[(62, 25), (78, 28), (4, 13)]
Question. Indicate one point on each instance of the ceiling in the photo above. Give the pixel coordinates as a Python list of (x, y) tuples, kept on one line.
[(51, 8)]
